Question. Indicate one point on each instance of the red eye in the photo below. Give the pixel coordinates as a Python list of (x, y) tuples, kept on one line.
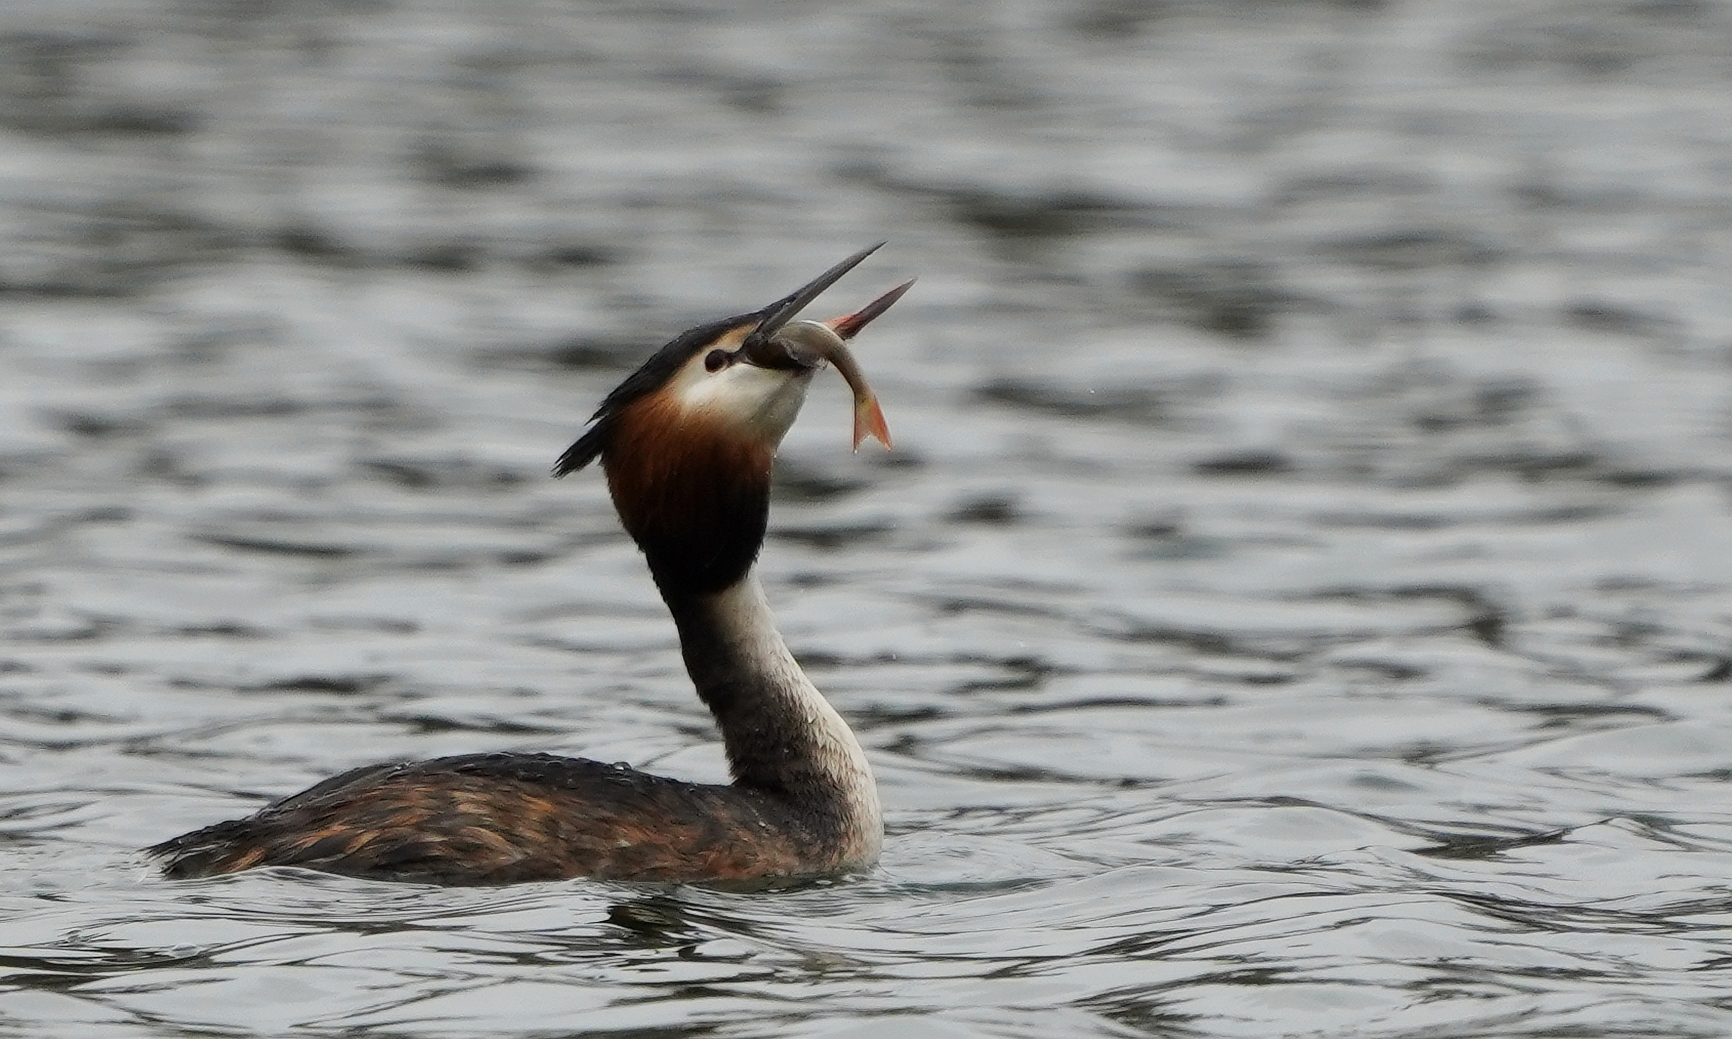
[(715, 360)]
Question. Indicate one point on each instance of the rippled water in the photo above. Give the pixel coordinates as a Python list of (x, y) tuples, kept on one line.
[(1300, 602)]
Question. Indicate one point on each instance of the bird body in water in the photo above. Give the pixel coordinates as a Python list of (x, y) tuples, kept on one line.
[(686, 443)]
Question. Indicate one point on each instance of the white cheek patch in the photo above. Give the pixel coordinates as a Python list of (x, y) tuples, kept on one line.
[(762, 401)]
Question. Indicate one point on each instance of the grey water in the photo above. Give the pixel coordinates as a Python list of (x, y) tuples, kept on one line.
[(1299, 602)]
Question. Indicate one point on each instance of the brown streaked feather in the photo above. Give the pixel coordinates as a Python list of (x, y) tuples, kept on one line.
[(503, 818), (248, 860)]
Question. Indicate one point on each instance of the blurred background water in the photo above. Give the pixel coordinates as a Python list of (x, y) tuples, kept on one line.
[(1300, 602)]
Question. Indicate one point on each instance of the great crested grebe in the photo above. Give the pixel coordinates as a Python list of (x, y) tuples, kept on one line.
[(686, 442)]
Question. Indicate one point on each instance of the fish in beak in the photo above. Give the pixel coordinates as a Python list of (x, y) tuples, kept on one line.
[(781, 342)]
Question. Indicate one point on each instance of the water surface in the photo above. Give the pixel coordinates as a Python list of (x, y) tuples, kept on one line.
[(1300, 602)]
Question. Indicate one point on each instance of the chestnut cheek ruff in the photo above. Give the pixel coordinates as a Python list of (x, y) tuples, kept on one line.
[(693, 492), (652, 376)]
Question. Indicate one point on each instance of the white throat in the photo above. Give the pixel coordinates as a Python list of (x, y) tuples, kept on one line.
[(830, 755), (762, 402)]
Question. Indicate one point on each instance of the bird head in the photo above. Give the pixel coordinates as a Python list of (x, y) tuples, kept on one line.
[(687, 440)]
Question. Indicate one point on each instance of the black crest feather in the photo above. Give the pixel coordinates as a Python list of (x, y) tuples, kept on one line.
[(649, 377)]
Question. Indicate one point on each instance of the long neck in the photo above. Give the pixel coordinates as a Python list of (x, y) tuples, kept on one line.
[(782, 737)]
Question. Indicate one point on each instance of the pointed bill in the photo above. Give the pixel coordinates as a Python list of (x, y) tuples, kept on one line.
[(785, 309)]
